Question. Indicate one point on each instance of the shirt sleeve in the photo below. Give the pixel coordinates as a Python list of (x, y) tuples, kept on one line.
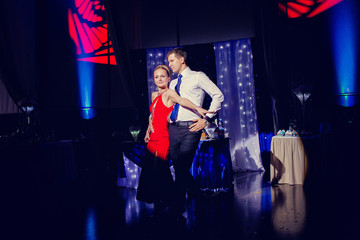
[(216, 95)]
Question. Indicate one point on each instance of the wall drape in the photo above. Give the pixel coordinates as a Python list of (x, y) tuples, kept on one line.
[(126, 87), (234, 67), (7, 105), (18, 47)]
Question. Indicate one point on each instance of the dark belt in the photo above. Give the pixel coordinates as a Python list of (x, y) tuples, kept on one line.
[(182, 123)]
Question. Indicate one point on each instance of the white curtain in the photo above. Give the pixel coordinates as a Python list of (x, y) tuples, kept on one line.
[(235, 78)]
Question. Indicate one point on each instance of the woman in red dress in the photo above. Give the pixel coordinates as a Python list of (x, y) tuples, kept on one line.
[(156, 182)]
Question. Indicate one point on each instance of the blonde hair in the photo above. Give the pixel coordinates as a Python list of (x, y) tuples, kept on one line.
[(166, 68)]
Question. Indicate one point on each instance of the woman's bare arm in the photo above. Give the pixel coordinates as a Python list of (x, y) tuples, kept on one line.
[(175, 98)]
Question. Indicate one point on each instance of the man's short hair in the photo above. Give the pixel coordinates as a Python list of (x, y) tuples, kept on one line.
[(178, 53)]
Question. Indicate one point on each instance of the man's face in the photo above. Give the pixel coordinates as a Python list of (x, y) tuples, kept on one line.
[(175, 63)]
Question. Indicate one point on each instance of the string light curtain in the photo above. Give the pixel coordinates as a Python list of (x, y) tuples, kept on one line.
[(235, 78)]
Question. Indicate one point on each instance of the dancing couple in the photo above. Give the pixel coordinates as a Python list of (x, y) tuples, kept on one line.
[(174, 132)]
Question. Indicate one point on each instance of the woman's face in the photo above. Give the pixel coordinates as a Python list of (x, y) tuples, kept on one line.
[(161, 78)]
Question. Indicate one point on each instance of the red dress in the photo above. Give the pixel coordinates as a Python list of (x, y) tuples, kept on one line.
[(159, 139)]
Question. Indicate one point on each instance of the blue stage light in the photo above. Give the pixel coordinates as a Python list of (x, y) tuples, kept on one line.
[(91, 224), (86, 82), (345, 48), (87, 113)]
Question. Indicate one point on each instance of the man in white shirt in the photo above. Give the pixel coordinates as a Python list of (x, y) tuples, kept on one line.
[(185, 127)]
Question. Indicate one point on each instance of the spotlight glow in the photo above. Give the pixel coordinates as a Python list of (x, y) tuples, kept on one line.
[(87, 113), (345, 44), (86, 82), (91, 225)]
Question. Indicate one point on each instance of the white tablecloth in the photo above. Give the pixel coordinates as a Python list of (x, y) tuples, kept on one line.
[(288, 160)]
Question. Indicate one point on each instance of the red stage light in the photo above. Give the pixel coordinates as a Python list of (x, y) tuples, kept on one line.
[(305, 8), (88, 29)]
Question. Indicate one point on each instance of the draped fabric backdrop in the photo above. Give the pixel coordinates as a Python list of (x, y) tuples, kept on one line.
[(7, 105), (234, 67), (18, 47)]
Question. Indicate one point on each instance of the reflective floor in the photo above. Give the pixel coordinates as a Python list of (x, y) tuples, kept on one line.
[(95, 208)]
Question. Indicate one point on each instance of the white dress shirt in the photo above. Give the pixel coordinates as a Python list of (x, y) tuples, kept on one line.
[(193, 86)]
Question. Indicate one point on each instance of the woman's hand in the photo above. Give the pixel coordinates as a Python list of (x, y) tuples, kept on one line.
[(147, 137), (175, 98), (203, 111)]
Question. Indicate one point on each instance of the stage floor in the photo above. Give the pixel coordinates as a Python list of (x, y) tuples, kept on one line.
[(93, 207)]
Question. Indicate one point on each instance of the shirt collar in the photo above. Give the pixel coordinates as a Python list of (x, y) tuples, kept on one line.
[(186, 71)]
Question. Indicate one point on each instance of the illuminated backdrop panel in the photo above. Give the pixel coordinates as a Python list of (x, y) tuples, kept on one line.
[(88, 29)]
